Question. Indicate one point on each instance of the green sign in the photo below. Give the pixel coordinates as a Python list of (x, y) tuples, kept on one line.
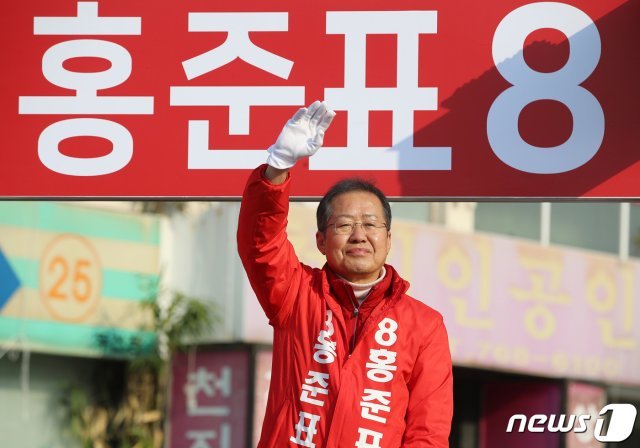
[(83, 273)]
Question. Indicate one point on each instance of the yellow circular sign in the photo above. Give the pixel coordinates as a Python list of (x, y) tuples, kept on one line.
[(70, 278)]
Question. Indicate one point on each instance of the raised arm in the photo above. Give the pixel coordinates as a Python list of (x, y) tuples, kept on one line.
[(267, 256)]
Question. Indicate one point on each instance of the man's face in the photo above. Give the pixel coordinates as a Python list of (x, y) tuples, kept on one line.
[(359, 255)]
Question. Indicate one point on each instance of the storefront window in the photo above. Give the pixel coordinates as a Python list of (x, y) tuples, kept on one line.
[(634, 230), (520, 220), (414, 211), (594, 226)]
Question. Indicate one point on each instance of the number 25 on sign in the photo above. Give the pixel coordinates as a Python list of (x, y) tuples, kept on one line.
[(70, 278)]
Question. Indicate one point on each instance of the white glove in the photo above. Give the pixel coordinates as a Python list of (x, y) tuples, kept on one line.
[(301, 137)]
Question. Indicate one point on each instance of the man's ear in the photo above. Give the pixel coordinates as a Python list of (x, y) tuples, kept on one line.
[(321, 243)]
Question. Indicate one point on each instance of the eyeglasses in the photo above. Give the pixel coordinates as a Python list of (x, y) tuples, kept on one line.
[(347, 227)]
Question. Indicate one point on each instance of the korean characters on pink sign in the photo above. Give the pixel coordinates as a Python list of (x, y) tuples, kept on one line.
[(209, 399), (208, 383)]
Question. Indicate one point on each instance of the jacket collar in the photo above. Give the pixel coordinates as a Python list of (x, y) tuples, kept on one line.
[(390, 288)]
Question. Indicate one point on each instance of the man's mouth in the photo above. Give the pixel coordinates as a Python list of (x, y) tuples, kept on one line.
[(357, 251)]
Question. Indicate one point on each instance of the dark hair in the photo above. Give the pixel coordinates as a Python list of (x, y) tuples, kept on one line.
[(324, 211)]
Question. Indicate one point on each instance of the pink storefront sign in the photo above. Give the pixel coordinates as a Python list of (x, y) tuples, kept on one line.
[(502, 400), (261, 390), (584, 399), (518, 306), (209, 399)]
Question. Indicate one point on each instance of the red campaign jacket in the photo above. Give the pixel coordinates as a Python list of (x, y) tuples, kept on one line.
[(393, 388)]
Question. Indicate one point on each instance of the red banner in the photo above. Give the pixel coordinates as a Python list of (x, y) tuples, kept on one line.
[(456, 99)]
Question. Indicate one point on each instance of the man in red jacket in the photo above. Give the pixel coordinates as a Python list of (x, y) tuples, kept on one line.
[(356, 361)]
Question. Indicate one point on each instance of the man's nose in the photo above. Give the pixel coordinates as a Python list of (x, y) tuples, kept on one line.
[(358, 233)]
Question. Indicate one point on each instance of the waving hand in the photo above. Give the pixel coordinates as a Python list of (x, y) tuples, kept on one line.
[(301, 136)]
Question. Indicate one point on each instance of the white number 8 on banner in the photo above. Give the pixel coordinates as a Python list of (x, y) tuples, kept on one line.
[(562, 85)]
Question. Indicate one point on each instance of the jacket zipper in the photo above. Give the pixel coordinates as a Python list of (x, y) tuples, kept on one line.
[(355, 329), (356, 312)]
